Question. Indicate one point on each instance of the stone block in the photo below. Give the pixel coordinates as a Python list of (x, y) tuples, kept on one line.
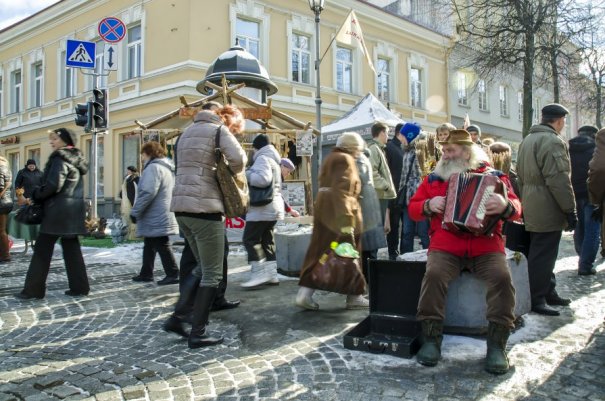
[(291, 248), (466, 307)]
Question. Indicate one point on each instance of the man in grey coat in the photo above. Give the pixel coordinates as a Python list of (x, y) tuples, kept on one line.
[(548, 203)]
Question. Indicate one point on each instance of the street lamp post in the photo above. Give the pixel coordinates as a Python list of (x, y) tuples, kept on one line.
[(317, 6)]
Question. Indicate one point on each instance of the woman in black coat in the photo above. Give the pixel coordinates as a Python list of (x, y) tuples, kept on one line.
[(62, 196)]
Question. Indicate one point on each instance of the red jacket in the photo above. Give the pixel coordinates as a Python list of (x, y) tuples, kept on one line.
[(460, 244)]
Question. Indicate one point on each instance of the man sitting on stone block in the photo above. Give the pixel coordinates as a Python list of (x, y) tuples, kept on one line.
[(452, 252)]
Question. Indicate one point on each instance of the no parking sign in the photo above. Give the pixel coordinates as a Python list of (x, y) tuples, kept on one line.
[(111, 29)]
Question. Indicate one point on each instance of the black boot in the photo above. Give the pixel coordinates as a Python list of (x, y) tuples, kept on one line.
[(554, 299), (496, 361), (201, 310), (432, 335), (175, 322)]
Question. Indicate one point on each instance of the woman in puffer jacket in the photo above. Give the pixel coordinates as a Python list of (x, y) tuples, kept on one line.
[(260, 220)]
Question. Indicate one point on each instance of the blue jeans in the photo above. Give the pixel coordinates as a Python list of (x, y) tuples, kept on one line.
[(586, 235), (412, 228)]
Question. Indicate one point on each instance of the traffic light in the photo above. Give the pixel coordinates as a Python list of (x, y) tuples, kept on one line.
[(99, 108), (83, 116)]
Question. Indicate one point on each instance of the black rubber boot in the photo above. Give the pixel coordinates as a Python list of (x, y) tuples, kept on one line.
[(201, 310), (496, 361), (182, 308), (432, 335)]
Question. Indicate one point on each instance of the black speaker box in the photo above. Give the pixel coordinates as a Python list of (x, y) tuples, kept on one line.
[(391, 327)]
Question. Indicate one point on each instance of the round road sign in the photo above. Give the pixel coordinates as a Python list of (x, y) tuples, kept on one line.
[(111, 29)]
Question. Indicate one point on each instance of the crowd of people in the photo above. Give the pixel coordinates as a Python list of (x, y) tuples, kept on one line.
[(371, 195)]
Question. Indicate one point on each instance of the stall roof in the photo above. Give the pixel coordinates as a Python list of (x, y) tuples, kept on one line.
[(360, 118)]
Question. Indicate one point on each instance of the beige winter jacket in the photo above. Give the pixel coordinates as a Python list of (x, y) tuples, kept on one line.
[(196, 189)]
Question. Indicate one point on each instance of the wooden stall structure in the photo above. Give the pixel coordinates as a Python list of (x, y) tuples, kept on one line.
[(285, 132)]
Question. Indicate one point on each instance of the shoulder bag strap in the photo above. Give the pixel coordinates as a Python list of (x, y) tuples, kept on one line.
[(217, 144)]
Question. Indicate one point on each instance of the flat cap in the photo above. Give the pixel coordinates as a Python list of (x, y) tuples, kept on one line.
[(554, 110), (474, 128)]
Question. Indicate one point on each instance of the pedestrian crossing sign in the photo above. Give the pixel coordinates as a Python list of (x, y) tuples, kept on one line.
[(80, 54)]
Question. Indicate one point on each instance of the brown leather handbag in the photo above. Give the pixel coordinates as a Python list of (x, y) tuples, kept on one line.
[(338, 274)]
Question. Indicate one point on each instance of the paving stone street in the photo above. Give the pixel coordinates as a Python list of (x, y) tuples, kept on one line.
[(111, 346)]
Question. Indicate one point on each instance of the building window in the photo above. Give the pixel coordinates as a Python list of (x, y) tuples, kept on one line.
[(131, 148), (15, 165), (100, 167), (503, 91), (520, 105), (34, 154), (537, 110), (36, 89), (384, 79), (67, 79), (344, 69), (462, 89), (247, 34), (99, 62), (482, 91), (134, 51), (416, 87), (301, 58), (16, 91)]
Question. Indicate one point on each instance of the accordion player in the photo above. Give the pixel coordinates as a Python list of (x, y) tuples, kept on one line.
[(466, 197)]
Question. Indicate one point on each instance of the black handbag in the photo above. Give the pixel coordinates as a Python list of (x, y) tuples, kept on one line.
[(262, 196), (30, 215)]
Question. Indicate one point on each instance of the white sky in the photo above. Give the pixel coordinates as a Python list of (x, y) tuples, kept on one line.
[(12, 11)]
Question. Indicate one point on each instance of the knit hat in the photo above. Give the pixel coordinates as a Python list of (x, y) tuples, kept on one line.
[(287, 163), (30, 161), (350, 141), (410, 131), (66, 135), (260, 141)]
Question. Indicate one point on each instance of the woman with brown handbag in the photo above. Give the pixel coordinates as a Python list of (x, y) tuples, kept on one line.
[(337, 219)]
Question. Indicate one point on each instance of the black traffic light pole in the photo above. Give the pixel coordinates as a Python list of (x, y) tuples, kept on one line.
[(96, 117)]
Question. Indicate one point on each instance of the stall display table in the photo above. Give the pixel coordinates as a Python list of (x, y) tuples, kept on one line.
[(22, 231)]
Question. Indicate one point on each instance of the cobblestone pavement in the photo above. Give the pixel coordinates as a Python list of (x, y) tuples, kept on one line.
[(110, 346)]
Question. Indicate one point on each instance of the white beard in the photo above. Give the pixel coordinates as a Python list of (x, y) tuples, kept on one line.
[(446, 168)]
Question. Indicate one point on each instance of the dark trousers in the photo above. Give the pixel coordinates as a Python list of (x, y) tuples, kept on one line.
[(396, 218), (258, 240), (161, 245), (586, 235), (35, 281), (443, 267), (4, 249), (188, 263), (543, 251)]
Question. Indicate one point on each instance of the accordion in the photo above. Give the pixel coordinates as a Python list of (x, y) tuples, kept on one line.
[(467, 194)]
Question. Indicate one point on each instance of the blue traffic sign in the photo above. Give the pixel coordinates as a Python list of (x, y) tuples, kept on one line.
[(111, 29), (80, 54)]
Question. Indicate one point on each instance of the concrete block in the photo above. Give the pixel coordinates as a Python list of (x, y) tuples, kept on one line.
[(291, 248), (466, 306)]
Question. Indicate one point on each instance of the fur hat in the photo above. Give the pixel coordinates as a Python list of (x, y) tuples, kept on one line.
[(30, 161), (350, 141)]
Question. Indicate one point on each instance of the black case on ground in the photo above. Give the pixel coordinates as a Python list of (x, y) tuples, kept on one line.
[(391, 327)]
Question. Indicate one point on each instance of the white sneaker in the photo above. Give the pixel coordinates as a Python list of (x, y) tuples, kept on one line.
[(258, 276), (304, 299), (357, 302)]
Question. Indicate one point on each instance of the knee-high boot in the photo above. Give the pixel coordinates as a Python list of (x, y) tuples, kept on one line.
[(182, 308), (204, 298)]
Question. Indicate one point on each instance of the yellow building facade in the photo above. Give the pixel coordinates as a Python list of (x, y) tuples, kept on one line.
[(167, 50)]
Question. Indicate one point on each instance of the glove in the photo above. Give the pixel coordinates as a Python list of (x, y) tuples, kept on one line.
[(597, 214), (133, 219), (572, 220)]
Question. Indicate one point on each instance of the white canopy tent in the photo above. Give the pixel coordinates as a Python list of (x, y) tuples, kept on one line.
[(360, 119)]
